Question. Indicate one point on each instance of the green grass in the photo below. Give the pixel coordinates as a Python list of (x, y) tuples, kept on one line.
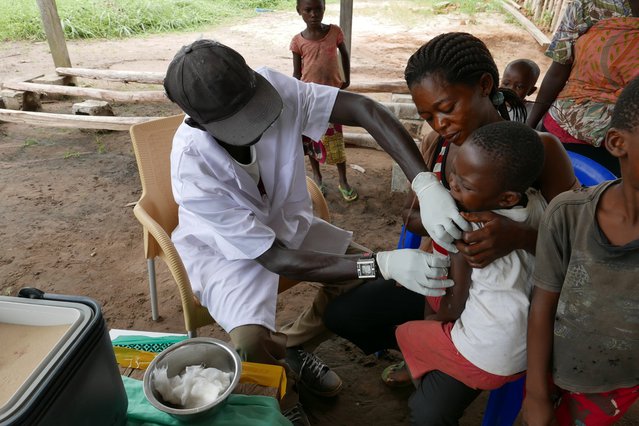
[(20, 19), (101, 147), (71, 154), (409, 12)]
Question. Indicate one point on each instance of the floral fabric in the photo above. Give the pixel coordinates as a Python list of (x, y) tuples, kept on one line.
[(578, 17), (606, 59)]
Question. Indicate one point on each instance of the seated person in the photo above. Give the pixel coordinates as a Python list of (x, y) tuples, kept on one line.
[(521, 76), (595, 53), (583, 326), (453, 82), (474, 337), (245, 215)]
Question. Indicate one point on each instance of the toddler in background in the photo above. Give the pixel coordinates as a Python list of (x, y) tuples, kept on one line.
[(315, 60), (521, 76), (583, 327)]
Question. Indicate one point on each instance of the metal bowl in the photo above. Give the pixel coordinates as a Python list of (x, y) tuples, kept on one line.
[(206, 351)]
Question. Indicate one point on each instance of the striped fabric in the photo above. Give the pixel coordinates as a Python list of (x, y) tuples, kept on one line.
[(437, 169)]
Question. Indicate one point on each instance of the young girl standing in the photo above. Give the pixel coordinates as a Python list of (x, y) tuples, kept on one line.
[(315, 60)]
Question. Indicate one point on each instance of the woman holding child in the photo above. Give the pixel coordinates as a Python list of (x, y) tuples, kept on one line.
[(453, 80)]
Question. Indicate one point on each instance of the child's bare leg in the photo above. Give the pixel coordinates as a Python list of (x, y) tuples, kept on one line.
[(348, 193), (341, 170), (317, 175)]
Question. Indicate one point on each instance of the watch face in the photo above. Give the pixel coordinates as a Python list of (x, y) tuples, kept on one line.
[(368, 269)]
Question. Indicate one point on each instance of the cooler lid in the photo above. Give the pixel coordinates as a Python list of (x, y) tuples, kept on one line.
[(36, 335)]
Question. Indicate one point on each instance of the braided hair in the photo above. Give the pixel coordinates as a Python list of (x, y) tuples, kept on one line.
[(463, 58)]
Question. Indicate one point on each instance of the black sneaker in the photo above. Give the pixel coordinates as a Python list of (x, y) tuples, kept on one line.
[(297, 416), (313, 373)]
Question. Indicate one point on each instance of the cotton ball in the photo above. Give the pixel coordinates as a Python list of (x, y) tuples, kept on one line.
[(195, 387), (164, 386)]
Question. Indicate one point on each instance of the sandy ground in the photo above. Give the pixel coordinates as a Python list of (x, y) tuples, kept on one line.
[(67, 225)]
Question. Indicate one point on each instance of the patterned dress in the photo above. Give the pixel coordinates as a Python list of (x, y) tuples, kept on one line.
[(606, 58), (320, 64)]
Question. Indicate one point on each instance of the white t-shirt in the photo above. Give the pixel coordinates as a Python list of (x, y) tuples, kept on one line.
[(491, 331), (224, 221), (252, 168)]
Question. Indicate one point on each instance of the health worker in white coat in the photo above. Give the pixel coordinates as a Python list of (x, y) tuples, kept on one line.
[(245, 216)]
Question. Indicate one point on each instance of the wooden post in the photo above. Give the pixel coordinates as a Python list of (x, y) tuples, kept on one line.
[(557, 15), (346, 22), (546, 7), (55, 35), (71, 121), (541, 38), (89, 92), (536, 10)]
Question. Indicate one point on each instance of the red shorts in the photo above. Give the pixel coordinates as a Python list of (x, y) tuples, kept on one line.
[(594, 409), (427, 346)]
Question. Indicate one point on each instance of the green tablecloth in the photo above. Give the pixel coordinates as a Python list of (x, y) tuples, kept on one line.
[(239, 410)]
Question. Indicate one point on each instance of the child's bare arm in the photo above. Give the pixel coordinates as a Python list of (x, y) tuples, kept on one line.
[(538, 409), (297, 66), (346, 65), (454, 302)]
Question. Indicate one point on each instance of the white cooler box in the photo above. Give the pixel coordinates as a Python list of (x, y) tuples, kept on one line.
[(57, 365)]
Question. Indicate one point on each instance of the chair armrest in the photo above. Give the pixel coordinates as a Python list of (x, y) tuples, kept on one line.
[(167, 251)]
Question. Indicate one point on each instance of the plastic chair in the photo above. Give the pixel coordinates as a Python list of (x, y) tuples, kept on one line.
[(504, 404), (588, 171), (156, 210), (408, 240), (158, 213)]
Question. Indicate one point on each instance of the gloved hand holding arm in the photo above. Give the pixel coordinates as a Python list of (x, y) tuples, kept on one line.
[(421, 272), (439, 213)]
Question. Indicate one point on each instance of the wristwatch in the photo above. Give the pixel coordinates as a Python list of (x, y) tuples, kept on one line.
[(367, 266)]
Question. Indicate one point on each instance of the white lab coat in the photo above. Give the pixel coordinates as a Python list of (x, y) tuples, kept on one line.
[(224, 222)]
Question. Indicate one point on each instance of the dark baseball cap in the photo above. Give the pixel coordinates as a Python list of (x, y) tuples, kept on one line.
[(215, 87)]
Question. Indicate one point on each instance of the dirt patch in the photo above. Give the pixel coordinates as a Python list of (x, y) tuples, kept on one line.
[(67, 222)]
